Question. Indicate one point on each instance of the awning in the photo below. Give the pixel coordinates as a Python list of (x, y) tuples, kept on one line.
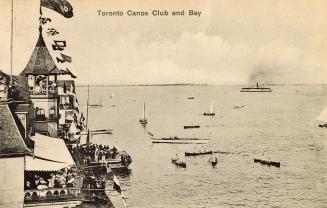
[(37, 164), (50, 154)]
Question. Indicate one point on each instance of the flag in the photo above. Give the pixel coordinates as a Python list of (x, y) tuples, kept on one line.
[(70, 73), (44, 20), (64, 58), (65, 88), (52, 32), (116, 185), (63, 7), (59, 45)]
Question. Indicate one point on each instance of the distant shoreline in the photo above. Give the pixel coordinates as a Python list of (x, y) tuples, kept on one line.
[(138, 85), (171, 85)]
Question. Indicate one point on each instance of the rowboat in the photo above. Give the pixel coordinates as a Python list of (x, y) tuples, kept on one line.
[(191, 126), (179, 141), (267, 162), (178, 163), (198, 153)]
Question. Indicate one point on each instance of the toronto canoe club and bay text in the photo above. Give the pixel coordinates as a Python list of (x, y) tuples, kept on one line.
[(155, 12)]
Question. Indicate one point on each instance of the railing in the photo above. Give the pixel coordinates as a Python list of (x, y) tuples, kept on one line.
[(52, 194), (38, 90)]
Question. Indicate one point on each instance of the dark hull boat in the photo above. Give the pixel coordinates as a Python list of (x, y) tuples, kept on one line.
[(267, 162), (209, 114), (192, 127), (213, 163), (143, 121), (256, 89), (323, 125), (198, 153), (178, 163)]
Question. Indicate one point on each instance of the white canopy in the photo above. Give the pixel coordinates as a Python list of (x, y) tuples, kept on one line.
[(50, 154)]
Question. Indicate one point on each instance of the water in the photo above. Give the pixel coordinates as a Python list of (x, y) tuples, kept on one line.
[(282, 124)]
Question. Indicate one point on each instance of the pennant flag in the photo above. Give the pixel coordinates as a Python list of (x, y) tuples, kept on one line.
[(116, 185), (70, 73), (65, 88), (63, 7), (65, 58), (59, 45), (44, 20), (52, 32)]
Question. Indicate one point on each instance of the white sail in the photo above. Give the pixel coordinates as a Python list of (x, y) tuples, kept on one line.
[(323, 115), (211, 107)]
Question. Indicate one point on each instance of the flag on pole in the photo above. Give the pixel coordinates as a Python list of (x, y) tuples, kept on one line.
[(63, 7)]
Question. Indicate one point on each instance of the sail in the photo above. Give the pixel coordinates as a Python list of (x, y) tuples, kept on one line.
[(211, 107), (144, 111), (323, 115)]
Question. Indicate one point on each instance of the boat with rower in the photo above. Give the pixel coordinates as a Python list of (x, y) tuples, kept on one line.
[(191, 126), (178, 163), (267, 162), (256, 89), (198, 153)]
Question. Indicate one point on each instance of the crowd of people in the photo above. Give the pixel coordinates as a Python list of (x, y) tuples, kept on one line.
[(93, 153), (64, 178)]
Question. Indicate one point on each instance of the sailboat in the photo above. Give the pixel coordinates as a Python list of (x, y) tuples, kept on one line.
[(143, 120), (112, 94), (211, 113)]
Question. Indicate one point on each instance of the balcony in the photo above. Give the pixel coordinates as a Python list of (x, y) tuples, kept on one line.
[(39, 91), (52, 195), (66, 106)]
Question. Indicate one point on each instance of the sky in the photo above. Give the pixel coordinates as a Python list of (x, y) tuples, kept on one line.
[(231, 42)]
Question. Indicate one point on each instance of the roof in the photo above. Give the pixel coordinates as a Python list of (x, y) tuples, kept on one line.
[(11, 140), (50, 154), (41, 62)]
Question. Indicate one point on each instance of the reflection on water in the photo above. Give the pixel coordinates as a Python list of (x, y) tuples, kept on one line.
[(281, 124)]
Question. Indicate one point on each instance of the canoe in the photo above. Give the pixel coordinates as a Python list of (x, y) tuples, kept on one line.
[(267, 162), (198, 153), (192, 127), (179, 164), (180, 142)]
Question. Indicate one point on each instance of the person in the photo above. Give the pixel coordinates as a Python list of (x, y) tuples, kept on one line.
[(177, 158)]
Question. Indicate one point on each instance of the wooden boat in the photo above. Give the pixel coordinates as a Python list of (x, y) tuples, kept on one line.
[(143, 120), (179, 138), (198, 153), (210, 113), (323, 125), (180, 141), (256, 89), (178, 163), (190, 98), (213, 161), (191, 126), (267, 162)]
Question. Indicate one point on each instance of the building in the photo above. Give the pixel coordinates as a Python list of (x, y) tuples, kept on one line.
[(13, 150), (41, 74)]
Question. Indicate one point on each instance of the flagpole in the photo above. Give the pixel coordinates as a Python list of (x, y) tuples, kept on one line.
[(87, 106), (11, 39)]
